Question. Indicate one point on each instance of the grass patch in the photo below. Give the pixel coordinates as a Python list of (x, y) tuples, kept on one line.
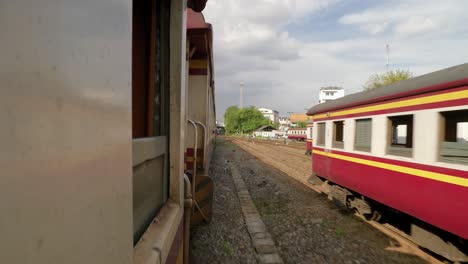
[(339, 232), (227, 248), (265, 208), (324, 224), (224, 143)]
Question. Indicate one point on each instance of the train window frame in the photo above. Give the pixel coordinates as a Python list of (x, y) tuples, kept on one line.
[(338, 143), (150, 111), (358, 146), (450, 149), (393, 146), (321, 135)]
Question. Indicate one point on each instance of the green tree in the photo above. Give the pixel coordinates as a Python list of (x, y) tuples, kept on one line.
[(301, 124), (231, 119), (378, 80), (250, 119), (244, 120), (275, 124)]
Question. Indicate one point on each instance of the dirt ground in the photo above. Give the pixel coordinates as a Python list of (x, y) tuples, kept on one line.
[(305, 225)]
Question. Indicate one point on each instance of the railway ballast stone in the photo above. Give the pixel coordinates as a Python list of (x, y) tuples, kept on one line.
[(261, 239), (304, 226)]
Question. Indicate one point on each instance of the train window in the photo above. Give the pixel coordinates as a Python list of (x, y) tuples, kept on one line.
[(401, 135), (338, 129), (150, 114), (363, 135), (309, 132), (454, 147), (321, 134)]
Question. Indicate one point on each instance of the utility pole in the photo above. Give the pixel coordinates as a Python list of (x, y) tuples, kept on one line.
[(388, 56), (241, 93)]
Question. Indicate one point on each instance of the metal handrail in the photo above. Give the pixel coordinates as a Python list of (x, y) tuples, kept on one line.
[(205, 132), (194, 177), (194, 155)]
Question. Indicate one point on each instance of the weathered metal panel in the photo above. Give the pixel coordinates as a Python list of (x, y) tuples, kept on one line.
[(66, 158), (148, 148)]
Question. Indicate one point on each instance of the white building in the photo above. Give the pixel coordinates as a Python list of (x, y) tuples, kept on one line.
[(267, 132), (284, 123), (330, 93), (270, 114), (462, 132)]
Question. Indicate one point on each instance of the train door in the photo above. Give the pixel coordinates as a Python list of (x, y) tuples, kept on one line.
[(150, 112), (309, 138)]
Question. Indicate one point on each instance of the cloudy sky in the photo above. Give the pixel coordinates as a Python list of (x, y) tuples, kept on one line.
[(285, 50)]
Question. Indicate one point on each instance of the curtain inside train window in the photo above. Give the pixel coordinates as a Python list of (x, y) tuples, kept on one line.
[(454, 146), (363, 135)]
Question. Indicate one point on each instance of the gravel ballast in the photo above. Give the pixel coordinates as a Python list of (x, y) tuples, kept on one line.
[(305, 226)]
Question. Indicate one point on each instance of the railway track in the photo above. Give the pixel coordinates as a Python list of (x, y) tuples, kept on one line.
[(284, 148), (290, 144), (404, 243)]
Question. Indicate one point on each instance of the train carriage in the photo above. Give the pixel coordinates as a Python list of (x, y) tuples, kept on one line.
[(297, 133), (404, 146), (201, 121), (309, 138), (94, 102)]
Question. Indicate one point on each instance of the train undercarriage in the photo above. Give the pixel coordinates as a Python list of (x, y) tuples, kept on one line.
[(450, 247)]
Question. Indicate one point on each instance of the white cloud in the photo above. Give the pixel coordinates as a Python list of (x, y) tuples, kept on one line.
[(284, 72), (416, 25), (411, 17), (375, 28)]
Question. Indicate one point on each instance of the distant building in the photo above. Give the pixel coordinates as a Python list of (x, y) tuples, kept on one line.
[(273, 115), (330, 93), (296, 118), (462, 132), (284, 123), (265, 131)]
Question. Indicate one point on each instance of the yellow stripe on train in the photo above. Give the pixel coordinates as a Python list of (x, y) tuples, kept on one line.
[(403, 103), (415, 172), (198, 64)]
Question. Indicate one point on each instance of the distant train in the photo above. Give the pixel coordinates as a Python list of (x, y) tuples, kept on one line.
[(108, 126), (297, 133), (403, 146)]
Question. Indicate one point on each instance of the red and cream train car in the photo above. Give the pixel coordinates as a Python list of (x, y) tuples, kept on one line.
[(297, 133), (310, 125), (201, 120), (403, 146)]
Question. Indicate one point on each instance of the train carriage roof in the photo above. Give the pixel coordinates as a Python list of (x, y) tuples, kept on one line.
[(439, 80)]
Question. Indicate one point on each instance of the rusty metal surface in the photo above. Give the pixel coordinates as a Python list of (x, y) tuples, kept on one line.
[(65, 137)]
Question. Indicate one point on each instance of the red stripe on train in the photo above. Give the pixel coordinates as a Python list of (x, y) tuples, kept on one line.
[(398, 96), (438, 203), (449, 103)]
